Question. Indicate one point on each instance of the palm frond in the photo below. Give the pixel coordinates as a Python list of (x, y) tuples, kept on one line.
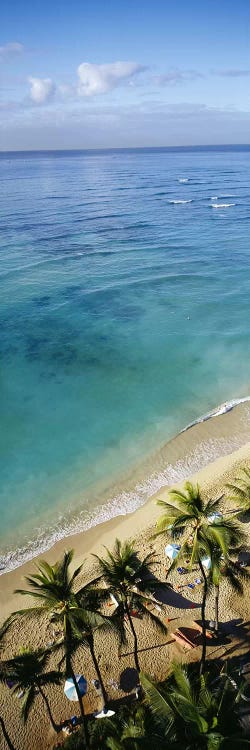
[(182, 680), (159, 704), (154, 620), (27, 703)]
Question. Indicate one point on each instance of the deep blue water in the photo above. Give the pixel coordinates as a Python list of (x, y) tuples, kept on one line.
[(124, 312)]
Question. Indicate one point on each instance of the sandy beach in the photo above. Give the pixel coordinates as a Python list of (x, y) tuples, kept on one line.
[(156, 652)]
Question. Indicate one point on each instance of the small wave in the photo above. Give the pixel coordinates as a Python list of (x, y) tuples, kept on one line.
[(222, 409), (179, 201), (222, 205), (183, 179), (214, 197)]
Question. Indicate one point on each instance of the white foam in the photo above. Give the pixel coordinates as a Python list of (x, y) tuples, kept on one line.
[(222, 205), (183, 179), (127, 502), (179, 201), (214, 197), (222, 409)]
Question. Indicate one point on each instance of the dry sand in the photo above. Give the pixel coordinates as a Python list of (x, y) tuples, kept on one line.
[(156, 652)]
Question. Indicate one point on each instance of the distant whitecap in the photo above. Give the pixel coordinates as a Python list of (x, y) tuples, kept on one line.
[(179, 201), (222, 205)]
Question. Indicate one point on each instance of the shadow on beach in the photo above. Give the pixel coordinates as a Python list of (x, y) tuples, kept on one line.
[(173, 599)]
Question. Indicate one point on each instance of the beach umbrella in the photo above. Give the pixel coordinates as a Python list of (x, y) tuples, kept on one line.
[(216, 516), (69, 688), (104, 714), (171, 551), (206, 562), (114, 600)]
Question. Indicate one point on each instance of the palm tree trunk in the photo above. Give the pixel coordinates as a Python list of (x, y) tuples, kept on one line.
[(55, 726), (5, 734), (135, 638), (84, 719), (203, 618), (97, 669), (216, 609), (70, 673)]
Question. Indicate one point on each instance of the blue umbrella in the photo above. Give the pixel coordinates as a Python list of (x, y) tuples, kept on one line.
[(69, 688), (172, 550), (206, 562)]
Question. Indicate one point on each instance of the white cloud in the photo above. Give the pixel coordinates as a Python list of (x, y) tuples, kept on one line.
[(42, 89), (10, 49), (99, 79), (174, 76), (232, 73)]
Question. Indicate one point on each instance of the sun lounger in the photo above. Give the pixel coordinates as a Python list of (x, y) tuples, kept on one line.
[(198, 627), (179, 638)]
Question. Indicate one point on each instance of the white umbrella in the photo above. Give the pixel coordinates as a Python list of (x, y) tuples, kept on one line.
[(104, 714), (171, 550), (216, 516), (114, 600), (69, 687), (206, 562)]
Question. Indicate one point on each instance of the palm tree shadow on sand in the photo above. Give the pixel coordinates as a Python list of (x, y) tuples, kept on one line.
[(173, 599)]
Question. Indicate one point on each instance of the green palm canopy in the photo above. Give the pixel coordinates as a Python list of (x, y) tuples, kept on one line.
[(132, 583)]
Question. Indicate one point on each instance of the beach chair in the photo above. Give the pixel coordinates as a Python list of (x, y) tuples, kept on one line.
[(198, 626), (179, 638)]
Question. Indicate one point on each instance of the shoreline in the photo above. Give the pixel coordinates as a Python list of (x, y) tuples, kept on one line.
[(156, 652), (212, 477), (216, 433)]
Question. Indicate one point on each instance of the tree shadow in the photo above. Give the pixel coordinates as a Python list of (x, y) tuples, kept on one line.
[(173, 599), (128, 679)]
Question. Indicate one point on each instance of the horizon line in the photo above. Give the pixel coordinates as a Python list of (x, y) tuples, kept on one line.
[(126, 148)]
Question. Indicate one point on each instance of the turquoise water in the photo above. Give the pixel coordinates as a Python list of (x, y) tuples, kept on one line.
[(124, 310)]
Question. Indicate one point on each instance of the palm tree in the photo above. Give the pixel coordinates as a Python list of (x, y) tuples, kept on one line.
[(186, 712), (27, 672), (92, 621), (83, 636), (225, 568), (201, 713), (53, 587), (132, 728), (130, 581), (120, 732), (199, 524), (241, 491)]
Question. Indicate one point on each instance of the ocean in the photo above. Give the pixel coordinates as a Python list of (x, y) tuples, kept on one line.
[(124, 313)]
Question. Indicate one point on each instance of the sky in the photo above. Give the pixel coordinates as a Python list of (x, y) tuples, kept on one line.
[(116, 73)]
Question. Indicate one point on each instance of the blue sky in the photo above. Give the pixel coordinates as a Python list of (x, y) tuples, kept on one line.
[(112, 74)]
